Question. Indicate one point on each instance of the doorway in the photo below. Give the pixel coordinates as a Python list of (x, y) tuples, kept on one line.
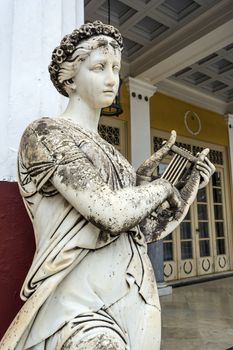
[(200, 245)]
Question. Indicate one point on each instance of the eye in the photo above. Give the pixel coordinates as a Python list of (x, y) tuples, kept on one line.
[(98, 67), (116, 69)]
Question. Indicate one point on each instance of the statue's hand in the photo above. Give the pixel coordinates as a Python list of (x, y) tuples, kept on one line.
[(165, 218), (199, 171), (206, 169), (173, 206), (173, 210), (175, 201), (179, 201), (148, 167)]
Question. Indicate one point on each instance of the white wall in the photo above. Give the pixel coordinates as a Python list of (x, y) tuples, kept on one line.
[(29, 31)]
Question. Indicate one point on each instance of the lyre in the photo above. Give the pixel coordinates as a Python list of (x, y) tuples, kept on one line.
[(177, 170)]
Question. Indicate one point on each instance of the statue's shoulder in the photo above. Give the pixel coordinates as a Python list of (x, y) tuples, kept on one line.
[(52, 133), (38, 132), (43, 126)]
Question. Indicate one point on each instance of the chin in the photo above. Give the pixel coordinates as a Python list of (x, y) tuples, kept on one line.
[(106, 103)]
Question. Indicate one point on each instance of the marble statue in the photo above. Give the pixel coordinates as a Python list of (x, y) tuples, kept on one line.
[(91, 284)]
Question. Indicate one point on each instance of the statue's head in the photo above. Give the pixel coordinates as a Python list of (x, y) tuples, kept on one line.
[(76, 47)]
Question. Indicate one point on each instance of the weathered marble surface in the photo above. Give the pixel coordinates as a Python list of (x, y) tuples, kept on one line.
[(92, 215)]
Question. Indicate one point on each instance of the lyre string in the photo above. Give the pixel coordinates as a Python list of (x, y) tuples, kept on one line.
[(170, 167), (178, 164), (176, 169), (180, 172)]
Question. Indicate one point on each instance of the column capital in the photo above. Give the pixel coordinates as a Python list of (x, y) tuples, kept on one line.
[(140, 87), (229, 119)]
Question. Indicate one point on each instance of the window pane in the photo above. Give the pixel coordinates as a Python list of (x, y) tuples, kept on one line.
[(185, 230), (186, 250), (217, 194), (203, 230), (161, 168), (201, 195), (202, 212), (168, 237), (218, 212), (204, 248), (220, 246), (188, 216), (219, 228), (167, 251), (216, 178)]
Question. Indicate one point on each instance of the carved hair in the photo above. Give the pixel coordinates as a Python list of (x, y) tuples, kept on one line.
[(75, 48)]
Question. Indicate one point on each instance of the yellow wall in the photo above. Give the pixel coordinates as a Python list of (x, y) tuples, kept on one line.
[(125, 104), (167, 113)]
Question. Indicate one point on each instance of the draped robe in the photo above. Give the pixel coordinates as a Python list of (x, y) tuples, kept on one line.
[(77, 266)]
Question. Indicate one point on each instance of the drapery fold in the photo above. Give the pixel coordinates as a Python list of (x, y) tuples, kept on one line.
[(64, 238)]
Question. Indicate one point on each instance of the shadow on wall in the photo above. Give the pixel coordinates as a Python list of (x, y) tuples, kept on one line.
[(17, 248)]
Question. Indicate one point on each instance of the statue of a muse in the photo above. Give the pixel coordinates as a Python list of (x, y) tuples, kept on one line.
[(91, 284)]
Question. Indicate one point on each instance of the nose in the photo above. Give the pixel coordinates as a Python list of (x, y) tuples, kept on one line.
[(111, 78), (110, 81)]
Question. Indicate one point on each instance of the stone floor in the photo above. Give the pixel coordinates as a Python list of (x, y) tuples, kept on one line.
[(199, 317)]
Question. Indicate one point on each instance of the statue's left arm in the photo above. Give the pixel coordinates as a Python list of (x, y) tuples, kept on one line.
[(166, 218)]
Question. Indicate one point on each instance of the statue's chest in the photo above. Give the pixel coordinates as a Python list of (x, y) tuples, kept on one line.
[(113, 168)]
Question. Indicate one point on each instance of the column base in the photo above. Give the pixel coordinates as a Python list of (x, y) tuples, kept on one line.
[(164, 289)]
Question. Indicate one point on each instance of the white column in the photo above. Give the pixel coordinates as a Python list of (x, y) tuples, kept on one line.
[(140, 93), (229, 120), (29, 31)]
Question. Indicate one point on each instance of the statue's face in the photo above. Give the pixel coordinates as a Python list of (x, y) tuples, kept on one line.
[(97, 79)]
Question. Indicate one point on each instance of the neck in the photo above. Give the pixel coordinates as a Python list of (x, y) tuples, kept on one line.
[(81, 113)]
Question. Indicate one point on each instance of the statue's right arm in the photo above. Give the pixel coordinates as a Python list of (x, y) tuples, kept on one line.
[(50, 154), (114, 211)]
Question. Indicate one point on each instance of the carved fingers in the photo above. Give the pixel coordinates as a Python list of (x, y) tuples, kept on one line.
[(175, 201), (205, 167)]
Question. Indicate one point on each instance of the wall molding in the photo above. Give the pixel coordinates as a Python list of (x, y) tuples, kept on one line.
[(190, 95), (140, 87)]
